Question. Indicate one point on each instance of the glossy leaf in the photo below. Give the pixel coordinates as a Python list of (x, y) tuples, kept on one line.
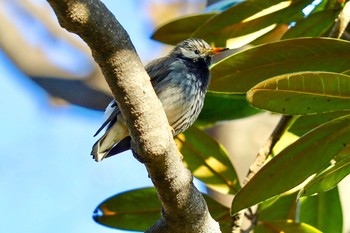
[(221, 107), (207, 160), (323, 211), (133, 210), (234, 22), (274, 35), (241, 71), (180, 29), (305, 123), (139, 209), (285, 226), (302, 93), (282, 207), (295, 164), (329, 178), (315, 25)]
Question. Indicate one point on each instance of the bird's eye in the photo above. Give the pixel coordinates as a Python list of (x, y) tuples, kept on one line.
[(196, 51)]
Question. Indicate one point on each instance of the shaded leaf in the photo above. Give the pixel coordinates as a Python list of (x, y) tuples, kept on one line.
[(285, 226), (302, 93), (221, 107), (243, 70), (139, 209), (323, 211), (180, 29), (207, 160), (132, 210), (328, 178), (295, 164), (315, 25)]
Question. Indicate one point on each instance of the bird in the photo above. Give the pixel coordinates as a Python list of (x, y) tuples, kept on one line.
[(180, 80)]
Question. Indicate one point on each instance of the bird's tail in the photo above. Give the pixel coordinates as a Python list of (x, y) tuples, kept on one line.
[(115, 140)]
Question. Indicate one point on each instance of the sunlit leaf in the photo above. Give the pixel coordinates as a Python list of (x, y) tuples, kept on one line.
[(295, 164), (221, 107), (139, 209), (274, 35), (282, 207), (284, 226), (207, 160), (248, 17), (181, 28), (303, 93), (243, 70), (323, 211), (305, 123), (315, 25), (328, 179)]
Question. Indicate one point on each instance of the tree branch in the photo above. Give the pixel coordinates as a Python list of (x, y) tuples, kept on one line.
[(184, 208), (259, 161)]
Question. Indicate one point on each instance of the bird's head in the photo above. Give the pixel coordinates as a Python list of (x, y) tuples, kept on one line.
[(196, 50)]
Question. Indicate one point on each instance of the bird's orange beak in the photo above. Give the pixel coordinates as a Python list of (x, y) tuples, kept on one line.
[(216, 50)]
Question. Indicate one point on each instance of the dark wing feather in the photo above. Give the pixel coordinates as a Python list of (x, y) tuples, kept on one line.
[(111, 118)]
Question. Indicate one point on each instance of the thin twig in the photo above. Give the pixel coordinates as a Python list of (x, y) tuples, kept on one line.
[(264, 152)]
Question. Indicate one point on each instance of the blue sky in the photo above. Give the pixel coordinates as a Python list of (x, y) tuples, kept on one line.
[(49, 183)]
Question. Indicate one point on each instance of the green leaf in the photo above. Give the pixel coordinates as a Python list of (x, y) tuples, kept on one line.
[(207, 160), (221, 107), (282, 207), (180, 29), (305, 123), (133, 210), (285, 226), (219, 213), (234, 21), (295, 164), (302, 93), (139, 209), (328, 178), (243, 70), (315, 25), (323, 211), (274, 35)]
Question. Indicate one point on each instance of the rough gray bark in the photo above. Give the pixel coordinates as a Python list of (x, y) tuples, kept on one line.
[(184, 208)]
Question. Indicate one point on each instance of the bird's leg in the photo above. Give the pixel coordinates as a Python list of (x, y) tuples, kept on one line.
[(253, 217)]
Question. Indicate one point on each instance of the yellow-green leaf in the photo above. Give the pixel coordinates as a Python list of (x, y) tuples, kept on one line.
[(328, 178), (180, 29), (248, 17), (241, 71), (207, 160), (303, 93), (287, 226), (316, 211), (295, 164)]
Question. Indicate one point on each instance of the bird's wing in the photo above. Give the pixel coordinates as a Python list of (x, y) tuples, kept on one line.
[(158, 69), (111, 113)]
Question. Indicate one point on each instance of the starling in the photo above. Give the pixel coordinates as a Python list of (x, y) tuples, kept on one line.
[(180, 81)]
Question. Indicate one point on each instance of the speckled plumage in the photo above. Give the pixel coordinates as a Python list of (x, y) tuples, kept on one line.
[(180, 81)]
